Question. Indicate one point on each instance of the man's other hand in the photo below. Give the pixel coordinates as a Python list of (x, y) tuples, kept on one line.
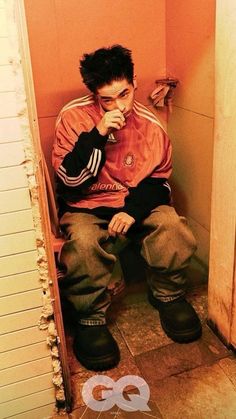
[(111, 120), (120, 224)]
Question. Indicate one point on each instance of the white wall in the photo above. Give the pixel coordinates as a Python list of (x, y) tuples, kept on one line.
[(26, 388)]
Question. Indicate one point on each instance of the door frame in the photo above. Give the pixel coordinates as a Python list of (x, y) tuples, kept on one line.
[(43, 201)]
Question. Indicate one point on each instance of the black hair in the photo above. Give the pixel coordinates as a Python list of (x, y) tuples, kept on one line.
[(105, 65)]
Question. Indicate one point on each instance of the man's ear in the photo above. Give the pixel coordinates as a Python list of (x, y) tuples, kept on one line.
[(135, 82)]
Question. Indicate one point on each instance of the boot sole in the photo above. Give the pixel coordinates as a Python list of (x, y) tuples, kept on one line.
[(185, 336), (102, 363)]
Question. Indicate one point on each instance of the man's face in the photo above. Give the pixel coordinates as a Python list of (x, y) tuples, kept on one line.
[(117, 95)]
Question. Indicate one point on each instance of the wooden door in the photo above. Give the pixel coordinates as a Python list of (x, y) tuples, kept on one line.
[(222, 278)]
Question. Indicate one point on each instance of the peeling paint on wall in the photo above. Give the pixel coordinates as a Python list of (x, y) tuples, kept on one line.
[(30, 164)]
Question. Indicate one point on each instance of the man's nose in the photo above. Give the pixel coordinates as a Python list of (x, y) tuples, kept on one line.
[(120, 106)]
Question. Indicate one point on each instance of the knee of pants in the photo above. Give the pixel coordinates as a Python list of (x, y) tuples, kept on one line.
[(170, 244), (87, 237), (85, 248), (171, 224)]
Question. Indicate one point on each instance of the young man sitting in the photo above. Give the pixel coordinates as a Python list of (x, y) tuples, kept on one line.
[(113, 160)]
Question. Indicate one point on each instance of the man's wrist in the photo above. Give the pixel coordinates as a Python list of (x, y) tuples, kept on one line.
[(101, 129)]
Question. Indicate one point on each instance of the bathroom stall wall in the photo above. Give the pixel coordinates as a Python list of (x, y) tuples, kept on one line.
[(190, 27), (61, 31)]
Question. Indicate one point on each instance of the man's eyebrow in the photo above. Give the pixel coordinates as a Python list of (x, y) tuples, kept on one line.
[(111, 97), (124, 91), (106, 97)]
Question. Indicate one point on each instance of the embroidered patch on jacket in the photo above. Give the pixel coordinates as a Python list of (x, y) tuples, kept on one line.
[(129, 160)]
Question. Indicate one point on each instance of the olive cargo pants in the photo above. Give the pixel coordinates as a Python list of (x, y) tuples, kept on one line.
[(89, 255)]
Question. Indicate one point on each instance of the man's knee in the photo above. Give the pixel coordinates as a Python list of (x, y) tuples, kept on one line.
[(176, 224), (85, 243), (169, 225), (166, 216), (84, 237)]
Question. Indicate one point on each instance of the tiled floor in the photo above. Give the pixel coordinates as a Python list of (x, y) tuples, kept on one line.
[(195, 380)]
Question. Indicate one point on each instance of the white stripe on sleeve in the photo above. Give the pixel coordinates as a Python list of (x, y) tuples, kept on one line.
[(89, 171)]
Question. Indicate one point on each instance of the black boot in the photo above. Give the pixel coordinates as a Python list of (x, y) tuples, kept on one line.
[(95, 348), (178, 319)]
